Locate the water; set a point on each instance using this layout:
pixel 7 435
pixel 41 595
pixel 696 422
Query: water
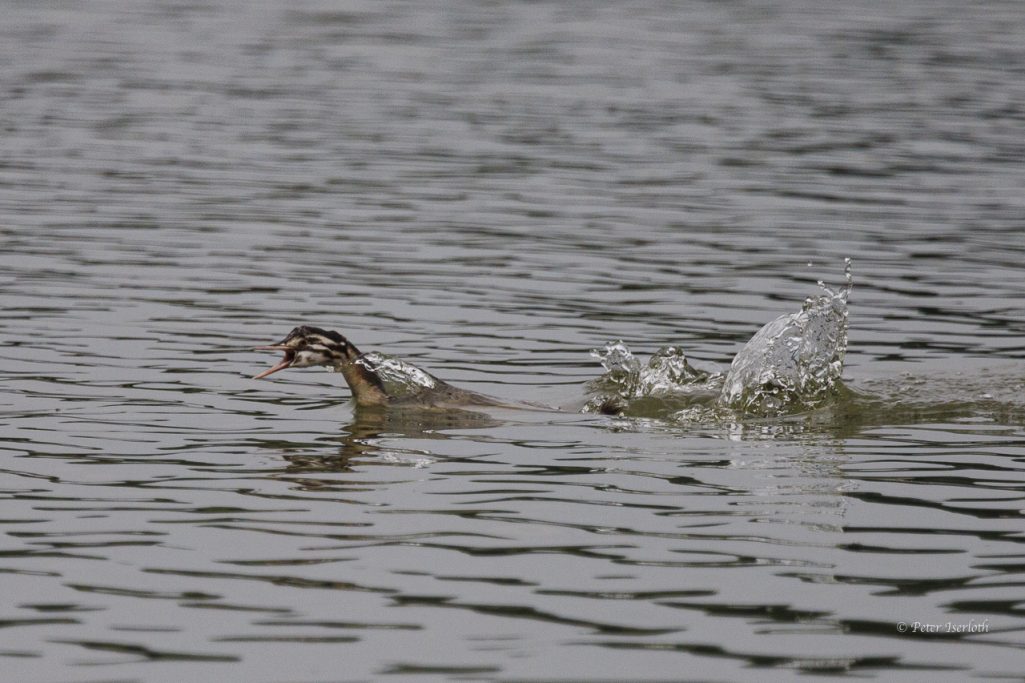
pixel 794 364
pixel 795 361
pixel 488 191
pixel 652 389
pixel 399 377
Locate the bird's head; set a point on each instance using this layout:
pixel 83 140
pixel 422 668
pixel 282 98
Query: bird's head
pixel 307 346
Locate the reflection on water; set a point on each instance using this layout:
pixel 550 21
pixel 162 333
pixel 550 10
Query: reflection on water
pixel 487 191
pixel 361 438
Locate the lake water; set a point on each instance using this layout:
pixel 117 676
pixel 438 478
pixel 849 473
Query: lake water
pixel 491 190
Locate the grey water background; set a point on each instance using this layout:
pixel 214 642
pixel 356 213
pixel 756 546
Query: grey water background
pixel 489 190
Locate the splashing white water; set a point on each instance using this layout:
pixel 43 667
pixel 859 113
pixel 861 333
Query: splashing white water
pixel 400 379
pixel 667 376
pixel 793 363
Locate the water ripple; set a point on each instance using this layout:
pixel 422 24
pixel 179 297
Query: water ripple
pixel 488 192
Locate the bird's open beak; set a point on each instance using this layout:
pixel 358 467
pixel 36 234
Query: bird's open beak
pixel 285 362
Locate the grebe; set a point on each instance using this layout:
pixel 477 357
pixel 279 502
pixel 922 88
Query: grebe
pixel 368 374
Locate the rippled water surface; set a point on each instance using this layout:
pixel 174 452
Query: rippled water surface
pixel 490 190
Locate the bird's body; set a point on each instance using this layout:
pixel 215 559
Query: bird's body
pixel 373 379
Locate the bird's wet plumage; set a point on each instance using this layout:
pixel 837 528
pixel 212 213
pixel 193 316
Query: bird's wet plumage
pixel 366 374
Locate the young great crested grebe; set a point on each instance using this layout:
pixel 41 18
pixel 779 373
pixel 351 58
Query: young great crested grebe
pixel 375 380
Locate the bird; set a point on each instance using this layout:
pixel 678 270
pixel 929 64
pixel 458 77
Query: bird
pixel 375 380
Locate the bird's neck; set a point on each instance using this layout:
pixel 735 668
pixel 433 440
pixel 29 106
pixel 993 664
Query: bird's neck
pixel 366 387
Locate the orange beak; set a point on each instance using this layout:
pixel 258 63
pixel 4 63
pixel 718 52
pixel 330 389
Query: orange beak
pixel 285 362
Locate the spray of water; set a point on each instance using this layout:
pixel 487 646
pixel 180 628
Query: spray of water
pixel 666 381
pixel 401 379
pixel 793 363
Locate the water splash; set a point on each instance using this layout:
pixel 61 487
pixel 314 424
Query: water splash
pixel 668 378
pixel 792 364
pixel 622 369
pixel 795 361
pixel 401 379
